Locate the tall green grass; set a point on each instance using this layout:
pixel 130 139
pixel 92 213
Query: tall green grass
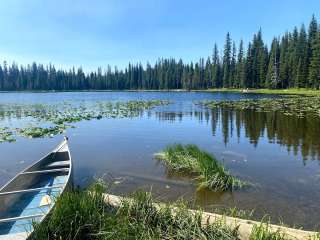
pixel 211 174
pixel 262 231
pixel 315 237
pixel 85 215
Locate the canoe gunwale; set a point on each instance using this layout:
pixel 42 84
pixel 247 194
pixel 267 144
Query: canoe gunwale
pixel 56 149
pixel 20 218
pixel 64 186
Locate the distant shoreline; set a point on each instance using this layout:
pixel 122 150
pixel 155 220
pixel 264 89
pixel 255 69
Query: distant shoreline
pixel 290 91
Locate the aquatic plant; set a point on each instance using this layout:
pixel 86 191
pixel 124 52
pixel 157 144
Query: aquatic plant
pixel 59 116
pixel 85 215
pixel 37 132
pixel 298 106
pixel 210 173
pixel 262 231
pixel 6 135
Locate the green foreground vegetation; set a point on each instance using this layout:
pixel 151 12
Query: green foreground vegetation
pixel 47 120
pixel 263 232
pixel 297 106
pixel 84 214
pixel 210 173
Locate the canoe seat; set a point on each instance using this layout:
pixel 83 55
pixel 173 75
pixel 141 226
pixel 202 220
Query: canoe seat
pixel 59 164
pixel 45 201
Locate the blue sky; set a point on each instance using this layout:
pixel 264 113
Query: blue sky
pixel 95 33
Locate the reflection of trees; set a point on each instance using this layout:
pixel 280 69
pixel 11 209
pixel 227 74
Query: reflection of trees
pixel 297 134
pixel 169 116
pixel 178 116
pixel 291 131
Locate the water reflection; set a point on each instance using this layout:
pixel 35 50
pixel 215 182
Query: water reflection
pixel 125 148
pixel 298 135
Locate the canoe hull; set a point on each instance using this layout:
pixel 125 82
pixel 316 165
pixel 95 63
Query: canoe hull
pixel 30 196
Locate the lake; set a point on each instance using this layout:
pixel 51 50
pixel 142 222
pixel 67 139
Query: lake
pixel 276 152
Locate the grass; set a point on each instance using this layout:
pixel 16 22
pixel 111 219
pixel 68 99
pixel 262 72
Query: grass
pixel 263 231
pixel 210 173
pixel 290 91
pixel 235 212
pixel 85 215
pixel 315 237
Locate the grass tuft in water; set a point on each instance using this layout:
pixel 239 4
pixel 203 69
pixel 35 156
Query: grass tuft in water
pixel 85 215
pixel 211 174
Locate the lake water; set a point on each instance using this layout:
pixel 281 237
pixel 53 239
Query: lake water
pixel 278 153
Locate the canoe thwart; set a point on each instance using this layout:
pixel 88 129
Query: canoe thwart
pixel 31 195
pixel 59 164
pixel 31 190
pixel 4 220
pixel 47 171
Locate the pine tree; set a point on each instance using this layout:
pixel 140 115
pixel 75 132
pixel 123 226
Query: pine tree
pixel 249 66
pixel 207 74
pixel 227 61
pixel 314 68
pixel 302 55
pixel 233 66
pixel 272 78
pixel 216 83
pixel 258 55
pixel 283 68
pixel 312 33
pixel 291 62
pixel 240 70
pixel 293 57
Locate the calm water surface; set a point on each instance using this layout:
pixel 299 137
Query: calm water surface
pixel 278 153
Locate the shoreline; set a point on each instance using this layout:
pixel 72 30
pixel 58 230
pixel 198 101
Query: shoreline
pixel 290 91
pixel 244 226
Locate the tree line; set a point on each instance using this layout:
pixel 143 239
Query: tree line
pixel 292 60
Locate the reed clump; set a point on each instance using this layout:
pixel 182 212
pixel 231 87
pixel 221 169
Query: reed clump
pixel 85 215
pixel 209 172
